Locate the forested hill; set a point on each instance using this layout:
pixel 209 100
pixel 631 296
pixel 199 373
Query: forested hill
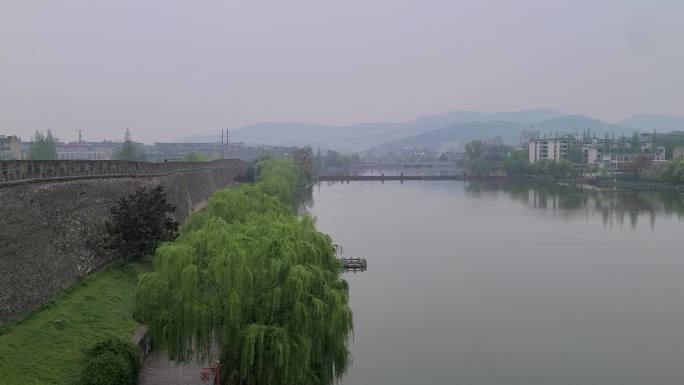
pixel 461 133
pixel 580 123
pixel 455 126
pixel 507 130
pixel 649 122
pixel 365 135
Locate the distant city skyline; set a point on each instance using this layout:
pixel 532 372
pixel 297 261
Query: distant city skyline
pixel 169 69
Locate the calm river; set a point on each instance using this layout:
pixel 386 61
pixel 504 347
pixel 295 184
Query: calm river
pixel 507 284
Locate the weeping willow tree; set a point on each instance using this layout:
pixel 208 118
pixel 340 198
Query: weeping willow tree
pixel 264 284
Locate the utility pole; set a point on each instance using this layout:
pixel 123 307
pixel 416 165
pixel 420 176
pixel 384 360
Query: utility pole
pixel 224 142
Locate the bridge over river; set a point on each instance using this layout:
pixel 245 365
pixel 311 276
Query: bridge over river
pixel 383 177
pixel 395 171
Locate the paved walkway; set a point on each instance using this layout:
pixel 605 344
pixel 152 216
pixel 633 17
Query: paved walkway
pixel 158 370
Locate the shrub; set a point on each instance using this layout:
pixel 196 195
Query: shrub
pixel 249 176
pixel 139 222
pixel 110 362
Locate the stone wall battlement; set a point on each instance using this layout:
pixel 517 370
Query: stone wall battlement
pixel 53 215
pixel 22 170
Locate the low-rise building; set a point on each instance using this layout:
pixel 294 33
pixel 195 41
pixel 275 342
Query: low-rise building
pixel 160 152
pixel 602 152
pixel 10 147
pixel 493 141
pixel 627 160
pixel 677 152
pixel 85 150
pixel 592 153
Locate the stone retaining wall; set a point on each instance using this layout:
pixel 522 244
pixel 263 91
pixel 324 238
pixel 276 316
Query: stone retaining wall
pixel 17 170
pixel 51 233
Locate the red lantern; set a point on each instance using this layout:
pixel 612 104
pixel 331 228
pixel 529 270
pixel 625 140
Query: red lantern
pixel 205 375
pixel 213 370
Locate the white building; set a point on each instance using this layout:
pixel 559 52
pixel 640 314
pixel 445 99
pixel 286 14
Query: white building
pixel 448 147
pixel 601 152
pixel 10 147
pixel 593 153
pixel 494 141
pixel 85 151
pixel 548 149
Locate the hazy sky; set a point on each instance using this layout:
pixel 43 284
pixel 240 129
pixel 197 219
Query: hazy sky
pixel 170 68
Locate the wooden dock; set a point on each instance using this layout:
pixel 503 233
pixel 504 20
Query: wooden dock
pixel 355 264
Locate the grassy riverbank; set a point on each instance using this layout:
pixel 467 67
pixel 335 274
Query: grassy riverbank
pixel 48 347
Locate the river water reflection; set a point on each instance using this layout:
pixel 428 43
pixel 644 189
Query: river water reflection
pixel 510 283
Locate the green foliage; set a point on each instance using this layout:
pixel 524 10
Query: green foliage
pixel 479 166
pixel 129 150
pixel 334 159
pixel 558 169
pixel 36 351
pixel 139 222
pixel 668 142
pixel 248 273
pixel 671 172
pixel 249 176
pixel 482 159
pixel 674 171
pixel 42 147
pixel 304 160
pixel 279 178
pixel 196 157
pixel 110 362
pixel 474 149
pixel 634 142
pixel 517 163
pixel 575 154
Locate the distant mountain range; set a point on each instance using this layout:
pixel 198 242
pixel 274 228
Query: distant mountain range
pixel 509 131
pixel 432 130
pixel 363 135
pixel 461 133
pixel 650 122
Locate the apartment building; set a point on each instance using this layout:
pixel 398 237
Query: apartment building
pixel 549 149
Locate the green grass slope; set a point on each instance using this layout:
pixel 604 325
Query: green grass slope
pixel 41 351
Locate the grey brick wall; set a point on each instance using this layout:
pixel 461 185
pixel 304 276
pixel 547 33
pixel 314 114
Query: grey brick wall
pixel 51 232
pixel 16 170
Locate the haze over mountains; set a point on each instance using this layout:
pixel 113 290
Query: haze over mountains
pixel 654 121
pixel 433 130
